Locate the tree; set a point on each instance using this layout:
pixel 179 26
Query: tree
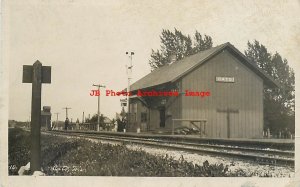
pixel 176 43
pixel 279 104
pixel 202 44
pixel 94 119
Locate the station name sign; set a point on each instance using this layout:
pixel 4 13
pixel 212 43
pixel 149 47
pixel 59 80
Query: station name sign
pixel 224 79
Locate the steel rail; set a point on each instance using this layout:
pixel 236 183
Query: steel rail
pixel 262 156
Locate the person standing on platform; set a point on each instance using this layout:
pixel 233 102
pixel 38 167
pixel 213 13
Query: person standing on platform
pixel 77 124
pixel 66 123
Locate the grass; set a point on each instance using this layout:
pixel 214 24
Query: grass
pixel 76 157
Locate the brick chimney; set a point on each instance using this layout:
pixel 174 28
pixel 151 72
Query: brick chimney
pixel 172 58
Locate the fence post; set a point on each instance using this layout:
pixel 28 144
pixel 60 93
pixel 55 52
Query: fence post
pixel 35 161
pixel 204 128
pixel 173 127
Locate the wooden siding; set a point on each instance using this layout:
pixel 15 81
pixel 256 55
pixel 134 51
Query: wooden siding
pixel 154 119
pixel 135 116
pixel 172 110
pixel 245 94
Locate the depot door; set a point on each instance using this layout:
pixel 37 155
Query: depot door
pixel 162 117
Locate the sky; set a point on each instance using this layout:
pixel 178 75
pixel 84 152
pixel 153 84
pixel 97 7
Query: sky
pixel 84 41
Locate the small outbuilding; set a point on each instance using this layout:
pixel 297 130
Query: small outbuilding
pixel 46 118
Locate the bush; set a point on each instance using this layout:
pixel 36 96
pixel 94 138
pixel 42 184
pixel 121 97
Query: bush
pixel 18 150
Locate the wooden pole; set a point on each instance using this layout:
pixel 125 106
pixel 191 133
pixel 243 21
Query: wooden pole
pixel 228 124
pixel 82 117
pixel 36 74
pixel 204 128
pixel 66 108
pixel 35 162
pixel 56 123
pixel 173 128
pixel 98 111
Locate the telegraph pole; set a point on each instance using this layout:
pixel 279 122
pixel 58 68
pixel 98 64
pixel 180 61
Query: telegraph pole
pixel 56 119
pixel 66 108
pixel 82 117
pixel 98 113
pixel 129 74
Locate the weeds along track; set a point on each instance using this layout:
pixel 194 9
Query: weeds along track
pixel 259 155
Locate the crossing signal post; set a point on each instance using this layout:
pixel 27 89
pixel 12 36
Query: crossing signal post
pixel 36 74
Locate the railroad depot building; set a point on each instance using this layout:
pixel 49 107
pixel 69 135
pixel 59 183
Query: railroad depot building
pixel 218 86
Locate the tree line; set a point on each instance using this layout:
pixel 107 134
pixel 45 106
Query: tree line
pixel 279 103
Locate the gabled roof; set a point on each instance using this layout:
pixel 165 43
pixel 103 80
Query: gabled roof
pixel 173 72
pixel 107 120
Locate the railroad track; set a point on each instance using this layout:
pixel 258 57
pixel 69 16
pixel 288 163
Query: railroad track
pixel 260 156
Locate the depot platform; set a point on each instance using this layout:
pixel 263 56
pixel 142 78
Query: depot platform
pixel 286 144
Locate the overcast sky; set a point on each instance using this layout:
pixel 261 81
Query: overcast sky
pixel 84 41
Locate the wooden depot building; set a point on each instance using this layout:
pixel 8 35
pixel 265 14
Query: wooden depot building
pixel 219 90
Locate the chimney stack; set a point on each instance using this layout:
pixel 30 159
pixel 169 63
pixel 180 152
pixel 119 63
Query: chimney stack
pixel 172 58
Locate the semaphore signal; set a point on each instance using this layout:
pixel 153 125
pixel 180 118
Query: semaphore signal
pixel 129 74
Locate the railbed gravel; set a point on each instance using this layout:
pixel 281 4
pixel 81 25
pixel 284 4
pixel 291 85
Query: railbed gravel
pixel 247 168
pixel 234 165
